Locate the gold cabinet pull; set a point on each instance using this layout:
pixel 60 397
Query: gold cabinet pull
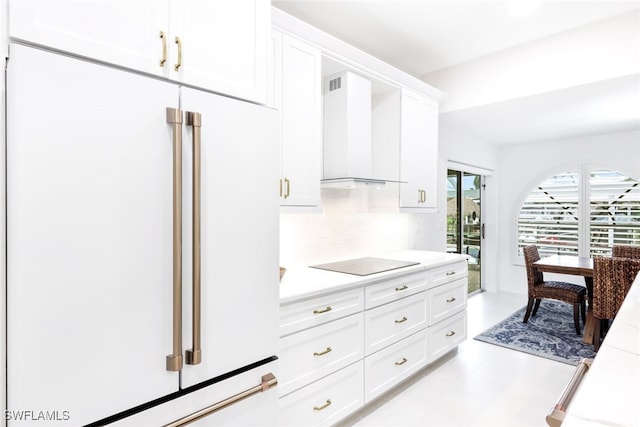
pixel 424 196
pixel 288 188
pixel 323 406
pixel 323 352
pixel 174 360
pixel 179 63
pixel 401 362
pixel 404 319
pixel 163 38
pixel 452 299
pixel 267 382
pixel 194 355
pixel 402 288
pixel 419 196
pixel 280 188
pixel 324 310
pixel 450 333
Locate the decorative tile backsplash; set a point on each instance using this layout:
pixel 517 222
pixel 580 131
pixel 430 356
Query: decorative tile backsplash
pixel 352 224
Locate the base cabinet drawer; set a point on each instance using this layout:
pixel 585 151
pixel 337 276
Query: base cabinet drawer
pixel 326 401
pixel 392 322
pixel 447 273
pixel 392 290
pixel 317 311
pixel 311 354
pixel 447 300
pixel 446 335
pixel 390 366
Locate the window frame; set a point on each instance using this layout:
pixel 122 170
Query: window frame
pixel 583 171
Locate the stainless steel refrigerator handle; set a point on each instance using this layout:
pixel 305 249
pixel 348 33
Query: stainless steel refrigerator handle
pixel 194 356
pixel 174 360
pixel 268 381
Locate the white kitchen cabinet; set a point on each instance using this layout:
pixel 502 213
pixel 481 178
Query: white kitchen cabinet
pixel 390 323
pixel 418 151
pixel 90 241
pixel 326 401
pixel 446 335
pixel 447 300
pixel 214 45
pixel 390 366
pixel 314 353
pixel 394 289
pixel 297 93
pixel 317 311
pixel 384 332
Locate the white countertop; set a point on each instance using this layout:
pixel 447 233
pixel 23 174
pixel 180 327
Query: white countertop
pixel 304 282
pixel 609 394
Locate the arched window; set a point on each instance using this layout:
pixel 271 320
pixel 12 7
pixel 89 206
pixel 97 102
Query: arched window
pixel 567 214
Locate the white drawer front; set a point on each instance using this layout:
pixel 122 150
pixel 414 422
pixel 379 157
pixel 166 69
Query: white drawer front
pixel 395 289
pixel 326 401
pixel 311 354
pixel 388 367
pixel 392 322
pixel 447 273
pixel 446 335
pixel 305 314
pixel 447 300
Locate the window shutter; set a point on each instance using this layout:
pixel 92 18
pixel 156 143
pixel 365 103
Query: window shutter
pixel 614 211
pixel 549 216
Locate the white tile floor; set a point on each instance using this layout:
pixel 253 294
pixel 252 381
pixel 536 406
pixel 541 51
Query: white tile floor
pixel 480 384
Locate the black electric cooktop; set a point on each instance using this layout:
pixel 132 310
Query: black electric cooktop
pixel 364 266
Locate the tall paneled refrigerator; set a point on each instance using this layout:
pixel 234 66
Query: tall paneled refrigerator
pixel 142 248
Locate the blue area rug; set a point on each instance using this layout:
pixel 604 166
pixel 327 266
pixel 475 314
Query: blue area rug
pixel 550 334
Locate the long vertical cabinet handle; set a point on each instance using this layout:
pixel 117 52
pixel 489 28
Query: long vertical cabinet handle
pixel 194 356
pixel 178 64
pixel 174 360
pixel 163 38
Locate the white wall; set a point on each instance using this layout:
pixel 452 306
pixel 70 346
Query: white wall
pixel 600 51
pixel 352 224
pixel 521 167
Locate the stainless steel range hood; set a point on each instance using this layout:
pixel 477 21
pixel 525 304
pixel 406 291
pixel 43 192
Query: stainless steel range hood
pixel 347 133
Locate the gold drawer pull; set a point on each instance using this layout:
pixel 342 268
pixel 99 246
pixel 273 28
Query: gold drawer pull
pixel 320 353
pixel 404 319
pixel 402 288
pixel 402 362
pixel 452 299
pixel 323 406
pixel 450 333
pixel 324 310
pixel 451 273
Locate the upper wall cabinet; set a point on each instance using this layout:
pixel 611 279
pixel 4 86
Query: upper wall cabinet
pixel 418 151
pixel 297 92
pixel 218 46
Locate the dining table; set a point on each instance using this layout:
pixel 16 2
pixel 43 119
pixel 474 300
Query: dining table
pixel 576 266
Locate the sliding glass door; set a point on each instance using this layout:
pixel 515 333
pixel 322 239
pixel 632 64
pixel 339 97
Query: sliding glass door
pixel 464 222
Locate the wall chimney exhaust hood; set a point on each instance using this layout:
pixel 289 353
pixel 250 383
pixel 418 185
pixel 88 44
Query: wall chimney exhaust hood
pixel 347 145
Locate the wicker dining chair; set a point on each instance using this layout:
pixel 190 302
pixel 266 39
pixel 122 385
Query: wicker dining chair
pixel 539 289
pixel 612 279
pixel 625 251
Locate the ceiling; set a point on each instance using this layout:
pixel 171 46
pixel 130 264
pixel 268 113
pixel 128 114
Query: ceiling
pixel 423 36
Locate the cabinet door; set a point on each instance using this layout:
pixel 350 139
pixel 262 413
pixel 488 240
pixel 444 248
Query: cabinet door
pixel 301 123
pixel 239 234
pixel 125 33
pixel 419 151
pixel 225 45
pixel 89 246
